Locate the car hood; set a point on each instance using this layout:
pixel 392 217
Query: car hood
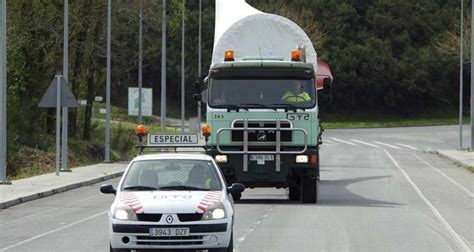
pixel 170 201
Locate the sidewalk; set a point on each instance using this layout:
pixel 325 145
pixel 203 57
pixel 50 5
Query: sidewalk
pixel 460 157
pixel 32 188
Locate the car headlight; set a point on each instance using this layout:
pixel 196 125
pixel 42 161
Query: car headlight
pixel 124 212
pixel 214 212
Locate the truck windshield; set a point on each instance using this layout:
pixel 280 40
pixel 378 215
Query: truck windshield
pixel 282 93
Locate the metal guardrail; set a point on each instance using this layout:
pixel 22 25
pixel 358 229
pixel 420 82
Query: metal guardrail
pixel 277 142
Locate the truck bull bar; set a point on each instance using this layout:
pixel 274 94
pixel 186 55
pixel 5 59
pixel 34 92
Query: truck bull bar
pixel 277 142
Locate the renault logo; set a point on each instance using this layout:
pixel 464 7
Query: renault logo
pixel 169 219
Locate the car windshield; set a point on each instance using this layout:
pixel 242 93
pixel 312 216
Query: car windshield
pixel 251 93
pixel 171 174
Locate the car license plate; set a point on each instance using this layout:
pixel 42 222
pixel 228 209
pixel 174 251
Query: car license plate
pixel 157 232
pixel 261 158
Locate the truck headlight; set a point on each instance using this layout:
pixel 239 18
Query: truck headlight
pixel 301 159
pixel 221 158
pixel 124 212
pixel 214 212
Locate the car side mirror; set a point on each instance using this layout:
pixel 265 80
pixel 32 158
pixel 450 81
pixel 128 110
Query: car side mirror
pixel 107 189
pixel 236 188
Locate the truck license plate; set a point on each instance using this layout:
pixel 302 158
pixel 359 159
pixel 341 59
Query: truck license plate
pixel 262 158
pixel 157 232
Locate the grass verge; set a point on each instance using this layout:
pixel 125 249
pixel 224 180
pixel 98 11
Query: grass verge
pixel 380 120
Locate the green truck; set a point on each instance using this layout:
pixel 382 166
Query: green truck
pixel 260 135
pixel 261 101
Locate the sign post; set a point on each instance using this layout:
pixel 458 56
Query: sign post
pixel 58 95
pixel 58 122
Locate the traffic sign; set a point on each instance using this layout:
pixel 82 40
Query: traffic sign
pixel 173 140
pixel 49 97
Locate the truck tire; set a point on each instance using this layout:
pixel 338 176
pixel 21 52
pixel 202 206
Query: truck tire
pixel 294 193
pixel 309 189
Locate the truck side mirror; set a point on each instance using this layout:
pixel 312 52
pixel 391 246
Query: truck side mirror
pixel 197 97
pixel 327 83
pixel 204 96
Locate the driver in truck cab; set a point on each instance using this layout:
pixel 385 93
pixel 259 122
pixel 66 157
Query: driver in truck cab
pixel 296 94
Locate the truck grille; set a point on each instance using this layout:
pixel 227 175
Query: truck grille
pixel 262 135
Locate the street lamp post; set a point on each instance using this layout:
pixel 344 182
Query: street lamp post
pixel 461 78
pixel 3 92
pixel 472 76
pixel 163 69
pixel 140 63
pixel 182 67
pixel 65 74
pixel 199 63
pixel 107 88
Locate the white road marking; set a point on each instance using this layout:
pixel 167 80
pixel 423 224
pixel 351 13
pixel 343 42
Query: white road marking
pixel 446 176
pixel 327 141
pixel 365 143
pixel 251 229
pixel 388 145
pixel 342 141
pixel 460 242
pixel 24 218
pixel 53 231
pixel 408 146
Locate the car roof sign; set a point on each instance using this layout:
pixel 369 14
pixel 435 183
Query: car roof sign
pixel 174 140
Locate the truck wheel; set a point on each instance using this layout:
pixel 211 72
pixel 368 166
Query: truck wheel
pixel 309 189
pixel 294 193
pixel 236 196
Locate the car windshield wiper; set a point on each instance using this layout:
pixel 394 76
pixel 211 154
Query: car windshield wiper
pixel 140 188
pixel 285 106
pixel 183 188
pixel 235 107
pixel 256 105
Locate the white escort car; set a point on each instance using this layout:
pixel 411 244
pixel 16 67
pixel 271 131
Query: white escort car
pixel 172 201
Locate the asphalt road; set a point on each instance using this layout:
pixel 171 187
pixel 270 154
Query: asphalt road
pixel 380 191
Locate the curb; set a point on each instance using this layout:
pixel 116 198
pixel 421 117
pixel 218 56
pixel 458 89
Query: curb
pixel 460 163
pixel 61 189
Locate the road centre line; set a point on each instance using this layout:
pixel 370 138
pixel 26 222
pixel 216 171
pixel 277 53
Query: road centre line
pixel 388 145
pixel 328 141
pixel 460 242
pixel 53 231
pixel 446 176
pixel 252 228
pixel 365 143
pixel 342 141
pixel 408 146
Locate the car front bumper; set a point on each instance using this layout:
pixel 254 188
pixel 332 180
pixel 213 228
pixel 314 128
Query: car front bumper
pixel 203 235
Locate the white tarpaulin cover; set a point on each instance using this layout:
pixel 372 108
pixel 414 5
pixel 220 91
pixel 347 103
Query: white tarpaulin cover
pixel 250 32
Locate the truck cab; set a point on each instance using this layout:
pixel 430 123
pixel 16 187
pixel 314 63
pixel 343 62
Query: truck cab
pixel 263 115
